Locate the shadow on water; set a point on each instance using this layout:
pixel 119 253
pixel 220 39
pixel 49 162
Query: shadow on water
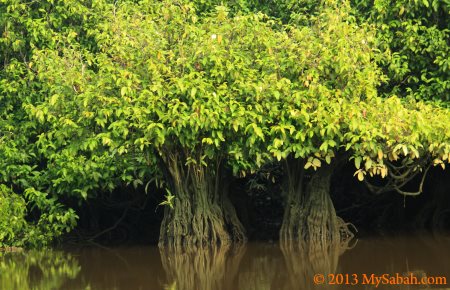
pixel 255 266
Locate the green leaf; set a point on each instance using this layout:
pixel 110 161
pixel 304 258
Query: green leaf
pixel 308 165
pixel 316 162
pixel 358 162
pixel 193 92
pixel 360 176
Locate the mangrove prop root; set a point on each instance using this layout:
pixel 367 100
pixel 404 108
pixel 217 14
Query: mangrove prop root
pixel 310 217
pixel 201 214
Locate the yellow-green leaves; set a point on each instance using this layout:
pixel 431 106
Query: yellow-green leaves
pixel 358 162
pixel 258 131
pixel 415 42
pixel 439 162
pixel 313 162
pixel 360 174
pixel 137 82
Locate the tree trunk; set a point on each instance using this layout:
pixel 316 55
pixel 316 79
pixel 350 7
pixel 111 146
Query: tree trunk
pixel 202 213
pixel 309 216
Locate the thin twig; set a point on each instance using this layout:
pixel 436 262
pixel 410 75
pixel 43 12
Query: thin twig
pixel 112 227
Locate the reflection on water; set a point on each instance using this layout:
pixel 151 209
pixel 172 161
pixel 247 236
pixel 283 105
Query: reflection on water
pixel 36 270
pixel 251 267
pixel 207 268
pixel 302 265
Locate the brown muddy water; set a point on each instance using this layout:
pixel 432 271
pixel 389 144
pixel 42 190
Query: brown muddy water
pixel 373 263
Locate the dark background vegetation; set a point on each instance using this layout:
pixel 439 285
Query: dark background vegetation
pixel 259 203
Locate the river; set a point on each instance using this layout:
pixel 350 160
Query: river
pixel 373 263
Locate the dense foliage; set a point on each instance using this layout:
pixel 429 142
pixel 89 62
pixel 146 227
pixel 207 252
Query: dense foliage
pixel 25 164
pixel 16 231
pixel 414 37
pixel 97 94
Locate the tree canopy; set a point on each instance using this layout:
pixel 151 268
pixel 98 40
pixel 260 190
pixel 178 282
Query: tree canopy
pixel 97 94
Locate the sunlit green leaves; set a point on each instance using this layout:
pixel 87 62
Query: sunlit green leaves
pixel 313 162
pixel 97 95
pixel 16 231
pixel 413 36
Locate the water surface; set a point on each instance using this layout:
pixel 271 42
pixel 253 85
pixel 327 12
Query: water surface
pixel 256 266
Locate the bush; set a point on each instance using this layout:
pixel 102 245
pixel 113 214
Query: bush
pixel 17 231
pixel 13 226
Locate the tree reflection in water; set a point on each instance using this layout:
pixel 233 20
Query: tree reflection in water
pixel 256 266
pixel 303 263
pixel 45 270
pixel 252 267
pixel 261 268
pixel 201 268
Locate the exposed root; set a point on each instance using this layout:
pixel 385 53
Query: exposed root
pixel 310 218
pixel 182 227
pixel 202 214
